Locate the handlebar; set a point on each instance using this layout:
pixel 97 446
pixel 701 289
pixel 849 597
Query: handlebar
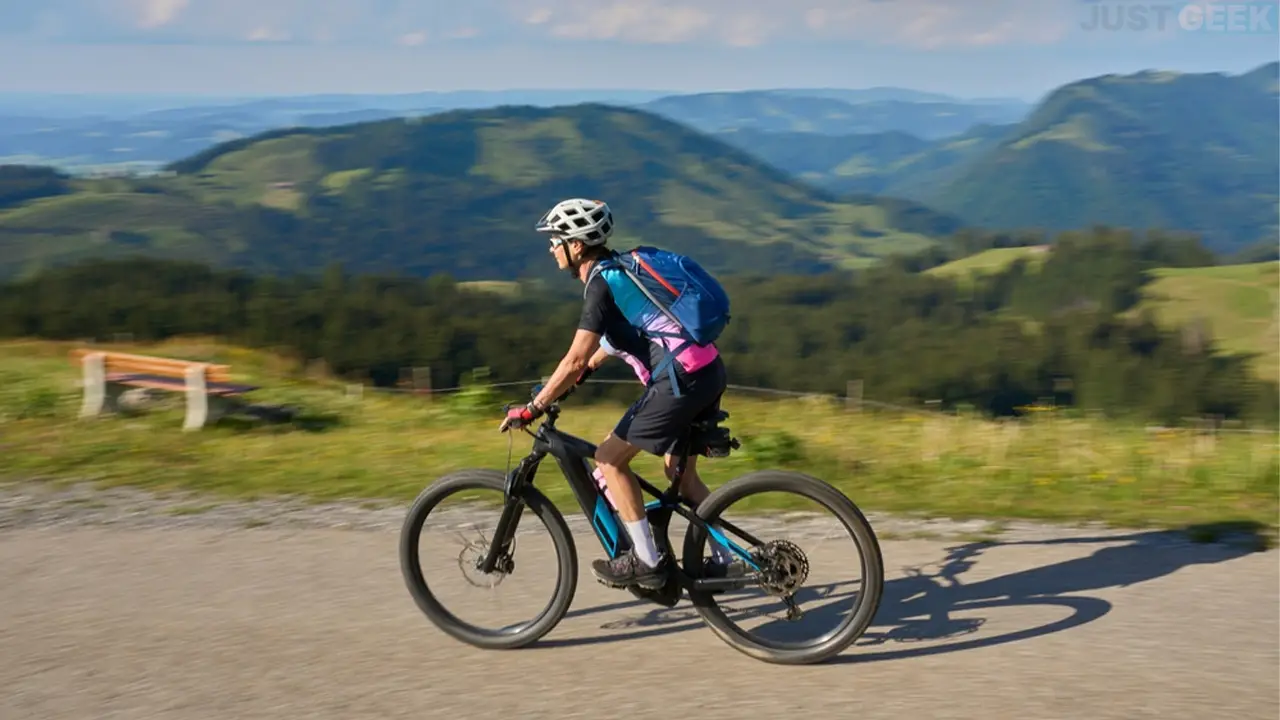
pixel 552 410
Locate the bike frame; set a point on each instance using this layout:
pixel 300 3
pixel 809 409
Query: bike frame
pixel 571 455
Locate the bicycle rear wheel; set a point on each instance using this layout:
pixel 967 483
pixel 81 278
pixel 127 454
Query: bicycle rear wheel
pixel 474 547
pixel 785 566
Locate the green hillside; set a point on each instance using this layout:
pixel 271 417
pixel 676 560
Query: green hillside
pixel 1197 153
pixel 989 261
pixel 1238 304
pixel 794 112
pixel 459 192
pixel 1193 152
pixel 895 163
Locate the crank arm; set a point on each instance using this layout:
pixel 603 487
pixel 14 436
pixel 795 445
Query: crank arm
pixel 723 584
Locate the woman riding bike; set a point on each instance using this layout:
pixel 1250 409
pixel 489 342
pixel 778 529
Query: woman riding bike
pixel 579 231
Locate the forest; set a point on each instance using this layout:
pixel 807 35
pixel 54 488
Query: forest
pixel 1063 334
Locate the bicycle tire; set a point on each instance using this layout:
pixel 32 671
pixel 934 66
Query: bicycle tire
pixel 833 500
pixel 566 553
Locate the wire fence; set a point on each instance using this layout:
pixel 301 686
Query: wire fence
pixel 420 380
pixel 852 400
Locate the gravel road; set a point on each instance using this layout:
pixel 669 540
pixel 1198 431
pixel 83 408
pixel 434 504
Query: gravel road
pixel 121 605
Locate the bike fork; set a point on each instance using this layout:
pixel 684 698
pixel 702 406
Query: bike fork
pixel 512 506
pixel 503 534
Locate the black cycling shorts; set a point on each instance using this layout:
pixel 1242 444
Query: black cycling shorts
pixel 659 419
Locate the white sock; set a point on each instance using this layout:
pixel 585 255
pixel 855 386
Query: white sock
pixel 642 539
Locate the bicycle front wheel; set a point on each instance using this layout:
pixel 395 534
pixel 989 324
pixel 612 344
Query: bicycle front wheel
pixel 459 539
pixel 793 543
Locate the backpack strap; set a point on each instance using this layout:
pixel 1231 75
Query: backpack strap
pixel 668 364
pixel 668 359
pixel 610 261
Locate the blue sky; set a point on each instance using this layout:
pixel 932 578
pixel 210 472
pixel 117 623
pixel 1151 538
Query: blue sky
pixel 1007 48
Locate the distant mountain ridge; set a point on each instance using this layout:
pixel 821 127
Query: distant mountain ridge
pixel 144 133
pixel 1196 152
pixel 830 114
pixel 458 192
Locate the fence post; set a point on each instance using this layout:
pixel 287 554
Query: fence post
pixel 422 381
pixel 853 396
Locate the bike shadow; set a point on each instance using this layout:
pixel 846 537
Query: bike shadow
pixel 925 612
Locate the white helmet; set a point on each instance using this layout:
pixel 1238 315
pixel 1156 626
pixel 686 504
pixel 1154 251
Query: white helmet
pixel 589 221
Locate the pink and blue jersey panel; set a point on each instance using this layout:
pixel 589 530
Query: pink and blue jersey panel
pixel 653 324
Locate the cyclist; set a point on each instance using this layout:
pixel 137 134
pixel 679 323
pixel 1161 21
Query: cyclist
pixel 579 230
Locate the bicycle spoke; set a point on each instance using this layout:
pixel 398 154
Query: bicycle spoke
pixel 809 598
pixel 533 591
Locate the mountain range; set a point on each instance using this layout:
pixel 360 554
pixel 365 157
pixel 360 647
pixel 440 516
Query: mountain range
pixel 456 190
pixel 144 133
pixel 1190 152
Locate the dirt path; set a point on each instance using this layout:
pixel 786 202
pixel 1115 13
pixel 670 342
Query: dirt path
pixel 221 621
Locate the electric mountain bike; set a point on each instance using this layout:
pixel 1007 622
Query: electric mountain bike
pixel 778 567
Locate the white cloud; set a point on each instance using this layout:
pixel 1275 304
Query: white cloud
pixel 265 33
pixel 157 13
pixel 647 21
pixel 922 24
pixel 935 24
pixel 413 39
pixel 746 30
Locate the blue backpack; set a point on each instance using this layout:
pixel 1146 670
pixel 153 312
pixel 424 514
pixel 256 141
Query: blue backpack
pixel 665 294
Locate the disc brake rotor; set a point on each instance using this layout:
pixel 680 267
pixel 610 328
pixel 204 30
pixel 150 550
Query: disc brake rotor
pixel 473 554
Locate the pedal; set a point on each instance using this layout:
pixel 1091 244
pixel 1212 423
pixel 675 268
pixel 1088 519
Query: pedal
pixel 667 596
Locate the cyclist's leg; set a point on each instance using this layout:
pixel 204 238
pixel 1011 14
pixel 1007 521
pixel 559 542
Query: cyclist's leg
pixel 693 489
pixel 613 457
pixel 642 566
pixel 691 485
pixel 654 424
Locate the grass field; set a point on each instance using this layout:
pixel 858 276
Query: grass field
pixel 389 446
pixel 506 288
pixel 1238 302
pixel 989 261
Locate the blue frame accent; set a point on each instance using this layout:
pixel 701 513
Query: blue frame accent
pixel 718 536
pixel 606 526
pixel 734 547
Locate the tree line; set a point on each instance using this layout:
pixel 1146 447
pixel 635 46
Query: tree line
pixel 1062 333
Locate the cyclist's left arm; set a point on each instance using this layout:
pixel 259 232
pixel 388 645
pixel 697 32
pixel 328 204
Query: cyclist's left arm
pixel 583 350
pixel 598 359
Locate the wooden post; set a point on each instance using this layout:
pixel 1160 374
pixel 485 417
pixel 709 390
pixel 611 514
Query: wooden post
pixel 422 381
pixel 93 369
pixel 197 398
pixel 853 396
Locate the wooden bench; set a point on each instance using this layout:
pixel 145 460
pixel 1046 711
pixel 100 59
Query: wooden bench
pixel 210 394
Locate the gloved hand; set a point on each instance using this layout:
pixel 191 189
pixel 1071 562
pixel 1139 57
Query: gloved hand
pixel 518 417
pixel 586 373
